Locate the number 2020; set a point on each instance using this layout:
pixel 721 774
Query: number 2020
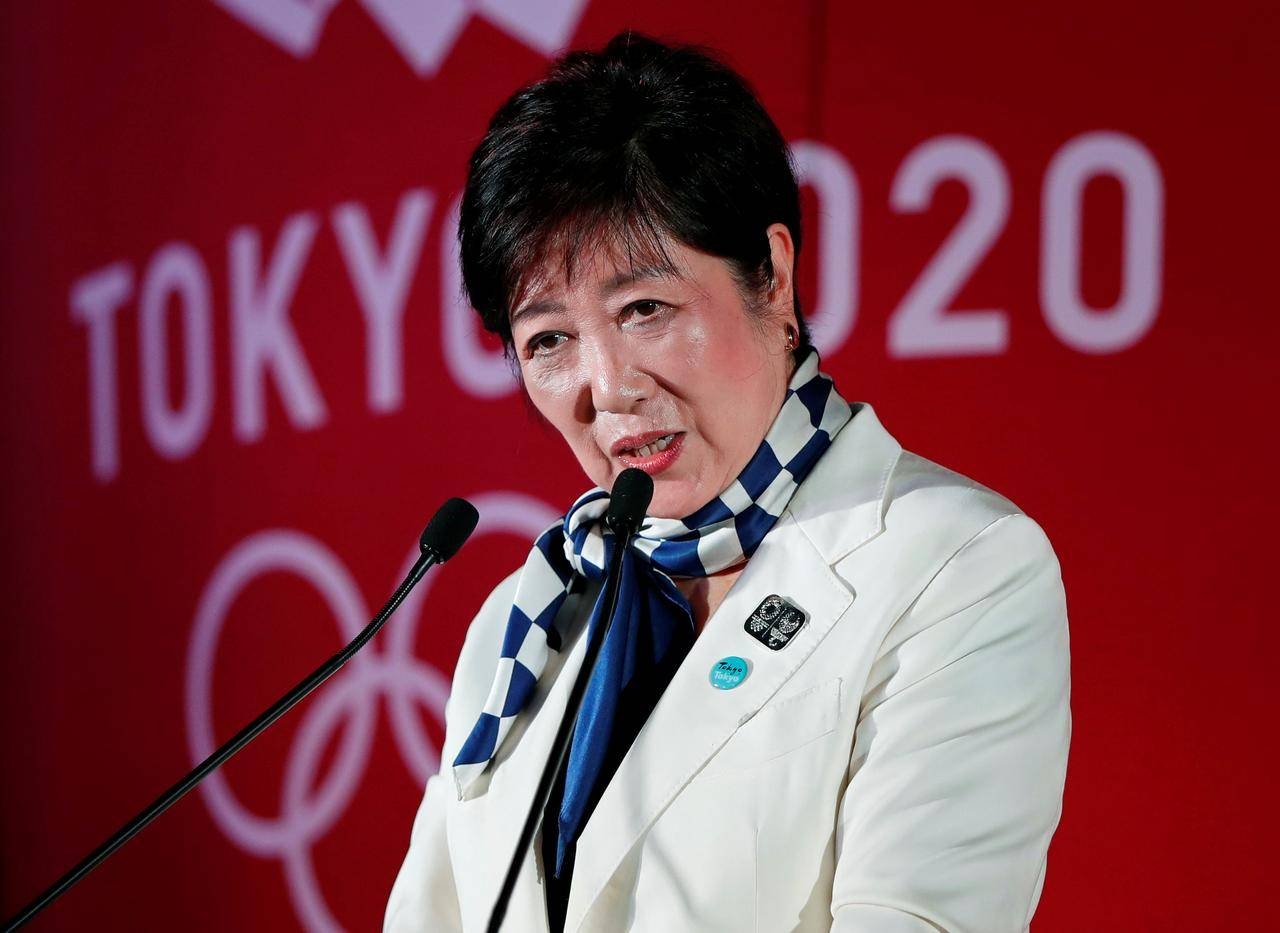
pixel 923 324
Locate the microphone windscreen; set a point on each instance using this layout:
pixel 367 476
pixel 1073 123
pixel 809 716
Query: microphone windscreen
pixel 629 499
pixel 449 529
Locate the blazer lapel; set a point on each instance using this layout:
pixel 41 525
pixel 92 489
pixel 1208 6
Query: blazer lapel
pixel 693 720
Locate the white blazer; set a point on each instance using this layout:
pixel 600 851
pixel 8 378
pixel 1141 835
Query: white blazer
pixel 898 766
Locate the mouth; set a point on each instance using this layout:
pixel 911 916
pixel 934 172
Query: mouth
pixel 652 452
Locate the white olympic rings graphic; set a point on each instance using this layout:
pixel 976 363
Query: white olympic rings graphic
pixel 351 697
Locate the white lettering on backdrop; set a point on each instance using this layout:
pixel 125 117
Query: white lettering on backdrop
pixel 382 285
pixel 922 324
pixel 265 348
pixel 262 339
pixel 95 298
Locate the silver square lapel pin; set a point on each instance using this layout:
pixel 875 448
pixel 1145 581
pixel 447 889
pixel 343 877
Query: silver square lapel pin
pixel 775 621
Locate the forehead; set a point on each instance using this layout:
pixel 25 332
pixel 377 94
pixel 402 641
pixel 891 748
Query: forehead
pixel 598 269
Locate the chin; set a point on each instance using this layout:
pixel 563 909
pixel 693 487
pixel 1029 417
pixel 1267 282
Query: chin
pixel 672 503
pixel 673 497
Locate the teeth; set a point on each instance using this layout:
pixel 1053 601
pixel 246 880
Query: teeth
pixel 653 447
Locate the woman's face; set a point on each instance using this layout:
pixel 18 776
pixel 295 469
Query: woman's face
pixel 666 372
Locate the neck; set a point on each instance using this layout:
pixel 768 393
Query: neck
pixel 706 593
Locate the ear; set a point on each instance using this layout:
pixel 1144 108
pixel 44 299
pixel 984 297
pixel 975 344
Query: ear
pixel 782 254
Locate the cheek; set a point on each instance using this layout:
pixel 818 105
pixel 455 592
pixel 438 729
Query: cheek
pixel 550 400
pixel 697 343
pixel 740 403
pixel 556 397
pixel 548 385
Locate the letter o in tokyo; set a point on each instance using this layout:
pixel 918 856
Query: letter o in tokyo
pixel 176 270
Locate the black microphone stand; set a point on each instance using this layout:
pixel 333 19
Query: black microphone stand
pixel 624 528
pixel 439 542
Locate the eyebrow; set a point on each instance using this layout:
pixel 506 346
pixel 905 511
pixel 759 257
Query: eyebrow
pixel 615 284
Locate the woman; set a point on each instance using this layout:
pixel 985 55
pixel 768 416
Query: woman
pixel 837 695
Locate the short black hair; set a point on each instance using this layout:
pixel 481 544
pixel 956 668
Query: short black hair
pixel 622 146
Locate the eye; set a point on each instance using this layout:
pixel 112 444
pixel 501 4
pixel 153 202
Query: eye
pixel 639 312
pixel 545 343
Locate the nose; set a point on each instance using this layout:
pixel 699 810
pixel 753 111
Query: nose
pixel 617 383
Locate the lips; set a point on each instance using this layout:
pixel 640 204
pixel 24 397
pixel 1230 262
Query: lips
pixel 652 452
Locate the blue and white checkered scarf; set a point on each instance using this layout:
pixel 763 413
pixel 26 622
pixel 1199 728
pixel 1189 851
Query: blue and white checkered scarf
pixel 653 617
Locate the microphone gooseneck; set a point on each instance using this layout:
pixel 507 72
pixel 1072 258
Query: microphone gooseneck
pixel 444 535
pixel 628 502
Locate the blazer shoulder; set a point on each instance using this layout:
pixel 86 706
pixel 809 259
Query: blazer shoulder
pixel 934 513
pixel 923 492
pixel 867 487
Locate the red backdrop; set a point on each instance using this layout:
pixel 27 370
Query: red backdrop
pixel 236 381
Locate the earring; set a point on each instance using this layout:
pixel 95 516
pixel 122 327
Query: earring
pixel 793 337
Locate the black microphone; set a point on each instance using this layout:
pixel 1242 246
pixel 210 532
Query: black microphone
pixel 628 502
pixel 444 535
pixel 449 529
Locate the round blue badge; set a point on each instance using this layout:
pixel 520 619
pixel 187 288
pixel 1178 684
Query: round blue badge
pixel 728 672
